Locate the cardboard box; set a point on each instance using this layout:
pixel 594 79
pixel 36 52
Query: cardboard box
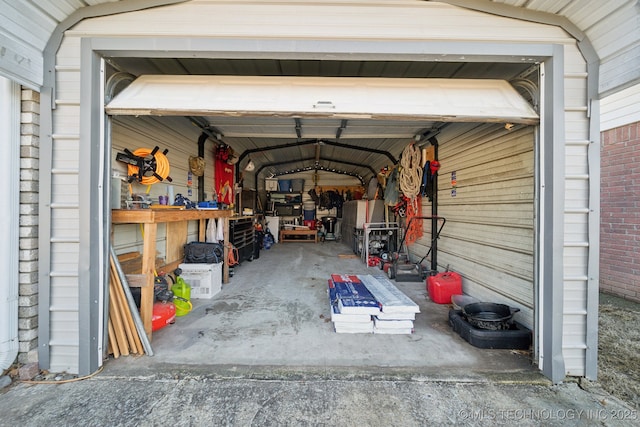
pixel 205 279
pixel 271 184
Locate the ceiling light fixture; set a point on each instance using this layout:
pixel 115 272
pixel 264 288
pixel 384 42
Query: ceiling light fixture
pixel 250 167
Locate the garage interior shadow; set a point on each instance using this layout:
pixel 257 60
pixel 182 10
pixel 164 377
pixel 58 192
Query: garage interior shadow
pixel 273 319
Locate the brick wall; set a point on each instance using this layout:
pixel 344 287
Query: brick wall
pixel 620 212
pixel 28 264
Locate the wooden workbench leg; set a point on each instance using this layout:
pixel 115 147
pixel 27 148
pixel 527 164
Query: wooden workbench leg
pixel 148 269
pixel 176 239
pixel 225 265
pixel 202 229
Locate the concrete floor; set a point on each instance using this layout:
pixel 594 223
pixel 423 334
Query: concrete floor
pixel 262 353
pixel 274 312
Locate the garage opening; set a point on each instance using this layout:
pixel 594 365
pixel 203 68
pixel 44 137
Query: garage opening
pixel 275 309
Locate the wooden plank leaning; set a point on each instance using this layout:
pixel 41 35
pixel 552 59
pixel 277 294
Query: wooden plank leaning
pixel 146 344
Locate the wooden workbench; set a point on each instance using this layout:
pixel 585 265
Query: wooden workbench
pixel 176 222
pixel 292 236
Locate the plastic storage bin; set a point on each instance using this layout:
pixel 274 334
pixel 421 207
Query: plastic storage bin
pixel 205 279
pixel 284 185
pixel 297 185
pixel 444 285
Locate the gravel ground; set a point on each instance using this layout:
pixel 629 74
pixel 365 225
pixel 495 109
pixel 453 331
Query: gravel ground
pixel 619 348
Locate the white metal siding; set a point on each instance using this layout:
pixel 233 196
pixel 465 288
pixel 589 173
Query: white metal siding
pixel 611 26
pixel 22 41
pixel 348 21
pixel 577 214
pixel 64 210
pixel 616 39
pixel 356 20
pixel 620 109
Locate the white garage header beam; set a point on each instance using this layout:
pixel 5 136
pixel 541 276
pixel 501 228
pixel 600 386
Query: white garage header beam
pixel 449 100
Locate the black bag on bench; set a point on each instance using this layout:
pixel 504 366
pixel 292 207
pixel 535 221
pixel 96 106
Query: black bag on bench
pixel 203 253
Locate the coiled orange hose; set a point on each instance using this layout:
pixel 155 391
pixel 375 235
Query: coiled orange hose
pixel 162 166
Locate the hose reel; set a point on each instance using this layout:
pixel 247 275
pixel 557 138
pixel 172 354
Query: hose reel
pixel 146 166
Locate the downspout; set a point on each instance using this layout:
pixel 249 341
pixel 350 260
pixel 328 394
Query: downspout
pixel 10 178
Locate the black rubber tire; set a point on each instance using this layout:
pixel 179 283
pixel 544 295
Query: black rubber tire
pixel 391 272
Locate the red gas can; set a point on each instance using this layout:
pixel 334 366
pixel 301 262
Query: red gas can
pixel 443 285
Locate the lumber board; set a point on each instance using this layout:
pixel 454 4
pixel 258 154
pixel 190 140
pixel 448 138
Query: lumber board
pixel 118 327
pixel 128 256
pixel 144 338
pixel 124 311
pixel 113 345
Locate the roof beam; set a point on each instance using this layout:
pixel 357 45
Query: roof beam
pixel 306 159
pixel 343 126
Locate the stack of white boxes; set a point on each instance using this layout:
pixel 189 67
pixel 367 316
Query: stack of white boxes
pixel 351 305
pixel 369 304
pixel 397 311
pixel 205 279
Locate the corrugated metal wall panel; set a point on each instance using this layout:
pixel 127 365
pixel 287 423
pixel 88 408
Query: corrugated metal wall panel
pixel 576 124
pixel 450 23
pixel 67 57
pixel 611 27
pixel 23 40
pixel 621 70
pixel 577 193
pixel 65 256
pixel 616 39
pixel 64 184
pixel 577 213
pixel 577 164
pixel 574 255
pixel 488 237
pixel 64 232
pixel 362 21
pixel 180 137
pixel 68 319
pixel 66 223
pixel 177 135
pixel 66 85
pixel 64 148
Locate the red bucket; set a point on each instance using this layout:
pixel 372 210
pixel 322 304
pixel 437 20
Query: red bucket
pixel 311 223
